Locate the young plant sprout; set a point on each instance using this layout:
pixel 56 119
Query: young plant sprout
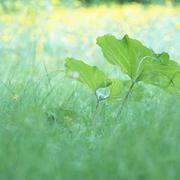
pixel 90 76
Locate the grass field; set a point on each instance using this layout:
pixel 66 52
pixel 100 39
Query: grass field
pixel 49 127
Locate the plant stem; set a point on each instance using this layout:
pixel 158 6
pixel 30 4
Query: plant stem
pixel 125 99
pixel 97 104
pixel 97 107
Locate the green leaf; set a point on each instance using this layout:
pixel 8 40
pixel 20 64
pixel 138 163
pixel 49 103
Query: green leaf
pixel 129 54
pixel 175 84
pixel 162 72
pixel 140 62
pixel 88 75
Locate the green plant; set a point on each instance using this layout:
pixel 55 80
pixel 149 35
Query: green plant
pixel 138 62
pixel 91 76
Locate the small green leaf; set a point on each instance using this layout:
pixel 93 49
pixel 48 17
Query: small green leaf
pixel 88 75
pixel 162 72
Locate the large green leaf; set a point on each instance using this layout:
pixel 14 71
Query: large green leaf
pixel 88 75
pixel 140 62
pixel 129 54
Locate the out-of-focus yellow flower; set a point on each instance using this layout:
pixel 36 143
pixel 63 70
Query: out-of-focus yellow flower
pixel 6 38
pixel 40 47
pixel 30 18
pixel 7 18
pixel 55 2
pixel 178 25
pixel 28 21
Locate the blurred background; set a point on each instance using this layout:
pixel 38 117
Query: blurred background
pixel 14 4
pixel 47 31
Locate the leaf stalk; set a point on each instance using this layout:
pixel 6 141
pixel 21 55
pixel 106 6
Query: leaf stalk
pixel 126 98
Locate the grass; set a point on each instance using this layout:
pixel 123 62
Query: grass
pixel 46 125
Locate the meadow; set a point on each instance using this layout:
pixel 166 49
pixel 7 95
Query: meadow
pixel 49 125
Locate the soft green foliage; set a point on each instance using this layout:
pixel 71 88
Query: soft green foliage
pixel 88 75
pixel 144 144
pixel 139 62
